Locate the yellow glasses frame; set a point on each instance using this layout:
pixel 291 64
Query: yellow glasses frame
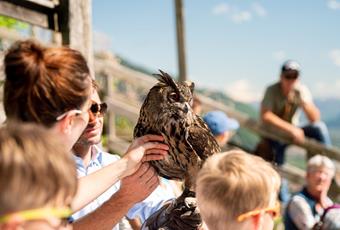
pixel 275 210
pixel 36 214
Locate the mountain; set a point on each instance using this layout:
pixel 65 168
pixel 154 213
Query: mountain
pixel 329 108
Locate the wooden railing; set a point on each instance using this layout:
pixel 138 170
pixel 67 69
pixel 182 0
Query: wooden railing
pixel 123 100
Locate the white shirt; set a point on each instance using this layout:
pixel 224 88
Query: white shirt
pixel 142 209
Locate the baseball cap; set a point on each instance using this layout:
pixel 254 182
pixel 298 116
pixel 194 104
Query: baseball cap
pixel 291 65
pixel 218 122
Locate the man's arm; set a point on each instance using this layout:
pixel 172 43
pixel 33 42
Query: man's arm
pixel 133 189
pixel 311 111
pixel 106 216
pixel 307 104
pixel 268 116
pixel 142 149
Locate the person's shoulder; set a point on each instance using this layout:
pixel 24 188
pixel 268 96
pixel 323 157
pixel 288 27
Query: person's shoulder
pixel 298 200
pixel 274 87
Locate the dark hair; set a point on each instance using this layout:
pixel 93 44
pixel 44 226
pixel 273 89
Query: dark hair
pixel 44 82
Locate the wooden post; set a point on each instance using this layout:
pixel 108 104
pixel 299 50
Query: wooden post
pixel 180 40
pixel 111 122
pixel 75 20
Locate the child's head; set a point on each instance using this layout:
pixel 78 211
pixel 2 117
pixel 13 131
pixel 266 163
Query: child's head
pixel 36 172
pixel 234 183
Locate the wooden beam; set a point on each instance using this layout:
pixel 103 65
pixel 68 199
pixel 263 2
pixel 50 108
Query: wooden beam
pixel 271 132
pixel 80 28
pixel 24 14
pixel 45 3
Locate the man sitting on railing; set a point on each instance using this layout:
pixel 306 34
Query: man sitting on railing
pixel 279 108
pixel 305 208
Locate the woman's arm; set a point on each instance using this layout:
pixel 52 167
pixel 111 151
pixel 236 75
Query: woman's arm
pixel 142 149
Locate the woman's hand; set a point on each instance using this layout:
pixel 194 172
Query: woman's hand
pixel 145 148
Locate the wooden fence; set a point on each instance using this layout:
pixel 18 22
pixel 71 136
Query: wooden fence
pixel 124 86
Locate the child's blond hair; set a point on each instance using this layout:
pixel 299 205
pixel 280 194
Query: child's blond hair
pixel 233 183
pixel 35 169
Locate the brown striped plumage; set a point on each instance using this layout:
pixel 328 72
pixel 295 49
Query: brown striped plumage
pixel 167 111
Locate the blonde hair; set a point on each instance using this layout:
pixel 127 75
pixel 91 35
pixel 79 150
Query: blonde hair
pixel 319 161
pixel 233 183
pixel 35 169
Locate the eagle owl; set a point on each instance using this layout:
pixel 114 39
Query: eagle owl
pixel 167 111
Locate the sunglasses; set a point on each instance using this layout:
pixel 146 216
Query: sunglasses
pixel 291 75
pixel 63 214
pixel 98 109
pixel 73 111
pixel 273 211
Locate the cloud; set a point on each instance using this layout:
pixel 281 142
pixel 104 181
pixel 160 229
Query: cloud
pixel 335 56
pixel 241 16
pixel 101 41
pixel 326 89
pixel 279 55
pixel 333 4
pixel 259 9
pixel 243 90
pixel 237 15
pixel 221 8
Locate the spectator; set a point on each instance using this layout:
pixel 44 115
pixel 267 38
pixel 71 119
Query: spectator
pixel 236 190
pixel 52 86
pixel 221 126
pixel 130 191
pixel 307 206
pixel 279 108
pixel 38 179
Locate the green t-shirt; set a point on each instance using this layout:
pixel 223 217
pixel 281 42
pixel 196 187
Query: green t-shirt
pixel 283 106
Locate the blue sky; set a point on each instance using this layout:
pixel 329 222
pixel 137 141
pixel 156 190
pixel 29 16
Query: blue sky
pixel 237 46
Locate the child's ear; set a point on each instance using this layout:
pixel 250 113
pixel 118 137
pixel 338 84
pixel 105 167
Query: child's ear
pixel 257 221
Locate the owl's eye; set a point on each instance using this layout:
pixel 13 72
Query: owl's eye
pixel 174 96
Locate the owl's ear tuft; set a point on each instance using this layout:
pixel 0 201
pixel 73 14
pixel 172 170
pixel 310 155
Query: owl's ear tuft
pixel 167 80
pixel 191 85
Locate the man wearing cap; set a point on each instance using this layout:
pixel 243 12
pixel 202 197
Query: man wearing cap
pixel 279 109
pixel 221 126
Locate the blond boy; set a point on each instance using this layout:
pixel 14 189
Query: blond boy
pixel 236 190
pixel 37 179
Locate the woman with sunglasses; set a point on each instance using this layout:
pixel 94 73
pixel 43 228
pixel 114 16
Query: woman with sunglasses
pixel 52 86
pixel 237 190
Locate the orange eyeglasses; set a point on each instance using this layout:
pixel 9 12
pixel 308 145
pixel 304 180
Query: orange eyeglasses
pixel 273 211
pixel 40 213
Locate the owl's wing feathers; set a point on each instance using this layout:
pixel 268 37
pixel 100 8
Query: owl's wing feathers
pixel 141 130
pixel 202 140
